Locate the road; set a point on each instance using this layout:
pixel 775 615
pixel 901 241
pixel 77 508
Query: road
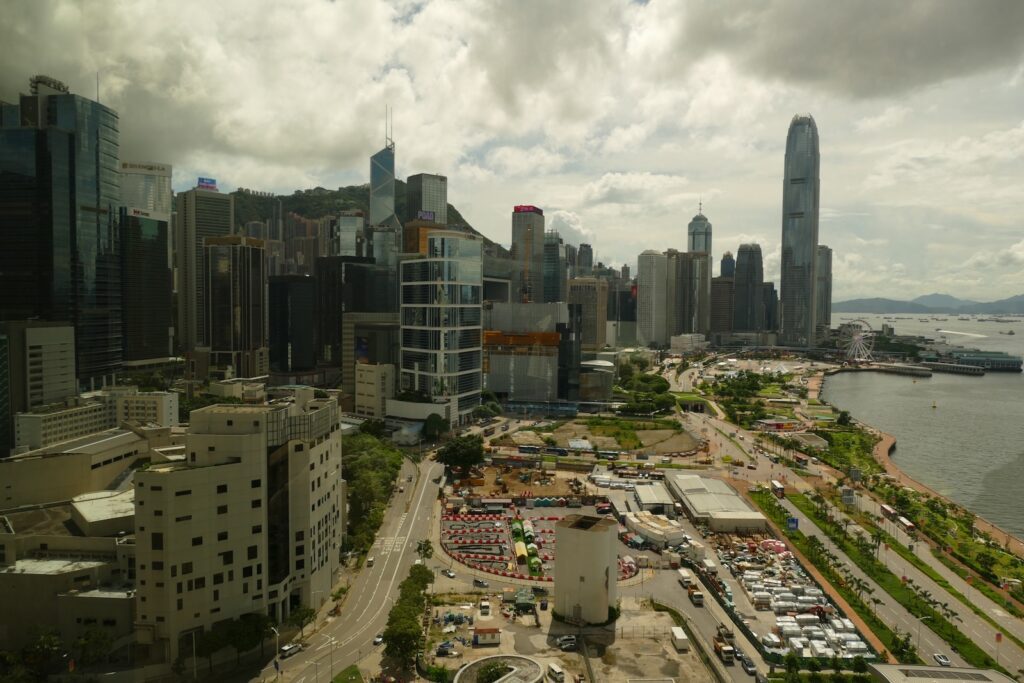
pixel 348 638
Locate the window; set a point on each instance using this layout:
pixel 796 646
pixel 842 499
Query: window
pixel 222 488
pixel 300 535
pixel 155 488
pixel 186 568
pixel 218 578
pixel 222 509
pixel 158 565
pixel 201 582
pixel 246 572
pixel 211 449
pixel 252 551
pixel 222 535
pixel 257 529
pixel 179 587
pixel 230 422
pixel 181 604
pixel 300 550
pixel 197 540
pixel 183 518
pixel 300 564
pixel 228 557
pixel 156 541
pixel 216 595
pixel 158 513
pixel 174 570
pixel 245 587
pixel 183 492
pixel 256 483
pixel 257 503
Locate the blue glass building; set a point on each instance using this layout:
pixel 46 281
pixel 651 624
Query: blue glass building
pixel 800 196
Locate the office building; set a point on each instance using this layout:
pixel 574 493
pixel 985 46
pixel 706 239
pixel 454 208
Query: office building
pixel 723 304
pixel 59 199
pixel 382 187
pixel 823 295
pixel 146 285
pixel 375 384
pixel 248 521
pixel 146 185
pixel 441 343
pixel 728 265
pixel 426 198
pixel 236 306
pixel 349 231
pixel 585 261
pixel 587 572
pixel 800 196
pixel 625 271
pixel 749 295
pixel 652 299
pixel 292 323
pixel 37 367
pixel 200 214
pixel 696 288
pixel 771 306
pixel 591 294
pixel 528 252
pixel 556 270
pixel 698 234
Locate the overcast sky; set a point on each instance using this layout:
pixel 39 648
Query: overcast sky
pixel 614 117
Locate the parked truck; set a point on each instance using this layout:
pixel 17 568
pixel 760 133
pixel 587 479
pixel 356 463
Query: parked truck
pixel 685 578
pixel 725 651
pixel 680 639
pixel 696 597
pixel 726 633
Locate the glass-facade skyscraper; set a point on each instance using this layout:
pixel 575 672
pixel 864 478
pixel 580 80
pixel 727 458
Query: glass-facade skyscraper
pixel 426 198
pixel 800 196
pixel 748 296
pixel 145 285
pixel 824 290
pixel 59 200
pixel 556 271
pixel 728 267
pixel 147 185
pixel 528 252
pixel 382 187
pixel 698 234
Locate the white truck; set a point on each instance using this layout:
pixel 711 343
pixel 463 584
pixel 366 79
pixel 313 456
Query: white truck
pixel 680 640
pixel 685 578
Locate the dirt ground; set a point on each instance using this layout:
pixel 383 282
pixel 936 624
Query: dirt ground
pixel 557 482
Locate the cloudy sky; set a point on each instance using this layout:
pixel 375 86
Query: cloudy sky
pixel 616 117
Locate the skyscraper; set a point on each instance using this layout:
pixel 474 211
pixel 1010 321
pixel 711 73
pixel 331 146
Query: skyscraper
pixel 722 304
pixel 728 267
pixel 698 234
pixel 59 199
pixel 800 196
pixel 382 187
pixel 236 305
pixel 146 284
pixel 771 307
pixel 585 261
pixel 823 292
pixel 651 298
pixel 749 297
pixel 556 273
pixel 591 294
pixel 292 322
pixel 200 214
pixel 528 252
pixel 426 198
pixel 442 335
pixel 147 185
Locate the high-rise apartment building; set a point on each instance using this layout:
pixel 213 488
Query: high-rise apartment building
pixel 556 269
pixel 426 198
pixel 728 267
pixel 591 294
pixel 37 367
pixel 528 252
pixel 382 187
pixel 441 346
pixel 250 521
pixel 292 322
pixel 59 199
pixel 698 234
pixel 823 295
pixel 652 299
pixel 146 285
pixel 200 214
pixel 236 305
pixel 749 284
pixel 800 196
pixel 585 261
pixel 147 185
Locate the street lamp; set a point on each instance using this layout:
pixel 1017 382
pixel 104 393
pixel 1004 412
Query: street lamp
pixel 919 621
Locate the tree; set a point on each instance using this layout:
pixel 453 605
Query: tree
pixel 491 672
pixel 434 426
pixel 462 452
pixel 425 549
pixel 93 646
pixel 985 560
pixel 43 653
pixel 244 633
pixel 860 666
pixel 843 419
pixel 301 616
pixel 209 643
pixel 402 637
pixel 374 428
pixel 792 662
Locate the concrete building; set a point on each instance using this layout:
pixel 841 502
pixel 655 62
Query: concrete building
pixel 347 236
pixel 426 198
pixel 248 519
pixel 199 214
pixel 652 299
pixel 375 384
pixel 823 293
pixel 158 408
pixel 586 574
pixel 441 342
pixel 37 367
pixel 714 503
pixel 687 343
pixel 800 197
pixel 556 268
pixel 913 673
pixel 585 261
pixel 528 252
pixel 591 294
pixel 688 292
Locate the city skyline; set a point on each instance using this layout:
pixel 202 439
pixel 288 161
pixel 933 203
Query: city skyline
pixel 908 172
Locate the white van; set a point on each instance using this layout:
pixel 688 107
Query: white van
pixel 369 561
pixel 555 672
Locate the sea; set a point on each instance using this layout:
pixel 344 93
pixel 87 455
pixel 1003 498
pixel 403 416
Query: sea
pixel 960 435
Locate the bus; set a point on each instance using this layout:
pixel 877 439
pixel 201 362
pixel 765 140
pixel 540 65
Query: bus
pixel 778 489
pixel 489 430
pixel 888 512
pixel 529 449
pixel 906 525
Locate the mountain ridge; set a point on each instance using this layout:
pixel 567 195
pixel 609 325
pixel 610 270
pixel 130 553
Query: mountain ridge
pixel 1009 305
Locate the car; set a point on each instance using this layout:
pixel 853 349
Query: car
pixel 941 659
pixel 748 665
pixel 568 646
pixel 449 573
pixel 378 639
pixel 290 649
pixel 409 478
pixel 480 583
pixel 562 640
pixel 401 489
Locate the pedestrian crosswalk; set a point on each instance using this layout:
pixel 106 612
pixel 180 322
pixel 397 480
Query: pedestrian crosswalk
pixel 391 543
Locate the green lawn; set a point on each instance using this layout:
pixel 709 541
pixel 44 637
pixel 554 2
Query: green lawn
pixel 349 675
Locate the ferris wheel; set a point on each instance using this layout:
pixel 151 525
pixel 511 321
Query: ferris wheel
pixel 857 340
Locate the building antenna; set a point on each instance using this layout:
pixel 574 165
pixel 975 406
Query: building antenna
pixel 700 204
pixel 97 86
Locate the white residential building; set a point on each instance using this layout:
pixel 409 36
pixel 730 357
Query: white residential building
pixel 375 384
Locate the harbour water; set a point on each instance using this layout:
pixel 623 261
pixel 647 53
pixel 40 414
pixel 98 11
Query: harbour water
pixel 970 446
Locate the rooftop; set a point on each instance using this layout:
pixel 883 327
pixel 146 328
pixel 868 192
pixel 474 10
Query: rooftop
pixel 91 444
pixel 50 565
pixel 100 505
pixel 586 523
pixel 47 521
pixel 905 673
pixel 653 494
pixel 704 496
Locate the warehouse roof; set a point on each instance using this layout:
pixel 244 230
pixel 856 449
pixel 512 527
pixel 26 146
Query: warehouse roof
pixel 654 493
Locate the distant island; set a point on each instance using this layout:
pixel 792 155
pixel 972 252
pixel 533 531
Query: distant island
pixel 932 303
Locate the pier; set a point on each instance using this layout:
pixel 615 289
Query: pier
pixel 897 369
pixel 955 368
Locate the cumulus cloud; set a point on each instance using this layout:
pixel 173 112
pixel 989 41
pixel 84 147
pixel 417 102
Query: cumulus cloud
pixel 888 117
pixel 635 188
pixel 569 226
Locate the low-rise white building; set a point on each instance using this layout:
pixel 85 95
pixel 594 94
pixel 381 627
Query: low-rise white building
pixel 586 573
pixel 375 384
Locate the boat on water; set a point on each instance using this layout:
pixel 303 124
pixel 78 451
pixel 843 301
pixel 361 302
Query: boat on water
pixel 1007 332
